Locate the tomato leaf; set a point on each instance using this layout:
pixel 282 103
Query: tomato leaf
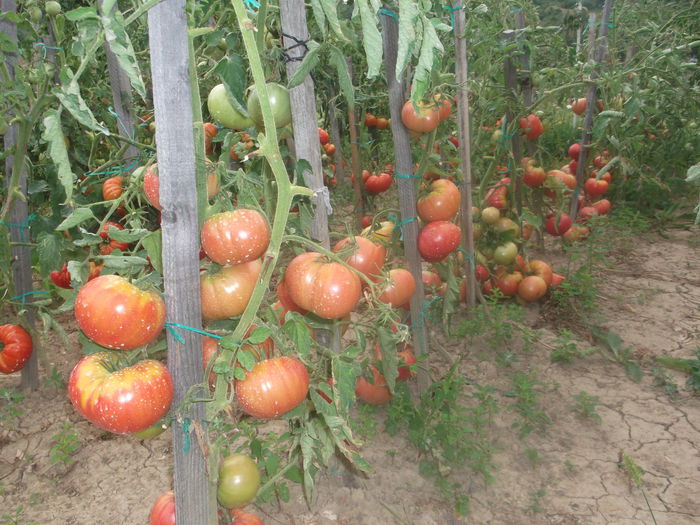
pixel 48 249
pixel 232 71
pixel 389 363
pixel 125 235
pixel 294 474
pixel 337 58
pixel 81 13
pixel 119 42
pixel 531 218
pixel 89 346
pixel 298 331
pixel 430 44
pixel 75 218
pixel 344 379
pixel 71 99
pixel 407 34
pixel 246 358
pixel 53 135
pixel 330 10
pixel 123 262
pixel 259 335
pixel 153 244
pixel 309 62
pixel 371 38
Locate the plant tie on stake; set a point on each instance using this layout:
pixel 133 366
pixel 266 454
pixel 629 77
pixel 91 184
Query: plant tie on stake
pixel 407 176
pixel 171 328
pixel 399 224
pixel 252 4
pixel 299 43
pixel 452 13
pixel 388 12
pixel 129 133
pixel 470 257
pixel 44 47
pixel 22 227
pixel 24 295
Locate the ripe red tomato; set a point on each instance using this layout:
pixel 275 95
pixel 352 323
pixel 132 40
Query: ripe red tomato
pixel 123 400
pixel 481 272
pixel 221 109
pixel 576 233
pixel 574 150
pixel 586 213
pixel 533 176
pixel 425 120
pixel 235 237
pixel 273 387
pixel 557 279
pixel 323 136
pixel 531 126
pixel 210 131
pixel 370 120
pixel 560 178
pixel 239 481
pixel 573 167
pixel 163 510
pixel 226 293
pixel 373 394
pixel 15 348
pixel 116 314
pixel 595 187
pixel 62 278
pixel 441 203
pixel 444 106
pixel 111 245
pixel 579 106
pixel 366 256
pixel 375 184
pixel 497 197
pixel 382 123
pixel 508 283
pixel 431 282
pixel 602 206
pixel 399 288
pixel 438 239
pixel 240 517
pixel 366 221
pixel 540 269
pixel 328 289
pixel 531 288
pixel 287 303
pixel 112 188
pixel 557 228
pixel 329 149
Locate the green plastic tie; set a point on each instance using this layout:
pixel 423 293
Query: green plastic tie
pixel 388 12
pixel 44 47
pixel 171 328
pixel 186 431
pixel 452 13
pixel 129 133
pixel 22 227
pixel 407 176
pixel 24 295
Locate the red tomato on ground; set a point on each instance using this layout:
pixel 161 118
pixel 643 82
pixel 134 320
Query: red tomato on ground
pixel 122 401
pixel 328 289
pixel 116 314
pixel 441 203
pixel 240 517
pixel 602 206
pixel 15 348
pixel 438 239
pixel 540 269
pixel 163 510
pixel 365 256
pixel 273 387
pixel 557 228
pixel 226 293
pixel 235 237
pixel 531 288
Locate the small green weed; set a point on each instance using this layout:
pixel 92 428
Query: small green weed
pixel 364 424
pixel 689 366
pixel 10 410
pixel 55 379
pixel 635 473
pixel 567 349
pixel 585 407
pixel 16 518
pixel 532 417
pixel 501 323
pixel 533 456
pixel 65 444
pixel 624 356
pixel 536 501
pixel 663 379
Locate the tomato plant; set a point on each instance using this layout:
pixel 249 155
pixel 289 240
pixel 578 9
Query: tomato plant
pixel 15 348
pixel 110 245
pixel 235 237
pixel 116 314
pixel 226 293
pixel 328 289
pixel 239 481
pixel 273 387
pixel 120 399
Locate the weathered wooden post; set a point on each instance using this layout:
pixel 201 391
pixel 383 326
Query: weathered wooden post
pixel 464 134
pixel 21 253
pixel 510 75
pixel 591 102
pixel 168 41
pixel 407 193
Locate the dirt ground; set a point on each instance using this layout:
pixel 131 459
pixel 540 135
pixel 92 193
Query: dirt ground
pixel 568 472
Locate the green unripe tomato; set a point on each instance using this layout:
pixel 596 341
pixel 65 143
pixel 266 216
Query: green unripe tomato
pixel 222 110
pixel 52 7
pixel 279 100
pixel 35 14
pixel 239 481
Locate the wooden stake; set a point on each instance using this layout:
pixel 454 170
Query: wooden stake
pixel 168 42
pixel 464 134
pixel 407 194
pixel 511 84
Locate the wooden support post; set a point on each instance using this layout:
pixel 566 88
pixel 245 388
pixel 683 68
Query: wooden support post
pixel 355 158
pixel 21 255
pixel 121 97
pixel 511 84
pixel 407 194
pixel 601 46
pixel 168 42
pixel 464 134
pixel 524 74
pixel 303 102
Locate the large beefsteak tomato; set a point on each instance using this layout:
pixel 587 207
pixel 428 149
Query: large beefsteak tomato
pixel 438 239
pixel 163 510
pixel 366 256
pixel 235 237
pixel 15 348
pixel 226 293
pixel 441 203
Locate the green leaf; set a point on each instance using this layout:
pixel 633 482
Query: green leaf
pixel 309 62
pixel 89 346
pixel 87 239
pixel 153 244
pixel 72 100
pixel 633 371
pixel 330 9
pixel 407 34
pixel 294 474
pixel 693 174
pixel 429 45
pixel 53 135
pixel 298 331
pixel 78 216
pixel 246 359
pixel 123 262
pixel 119 42
pixel 48 249
pixel 81 13
pixel 371 38
pixel 344 378
pixel 531 218
pixel 319 16
pixel 389 362
pixel 337 59
pixel 259 335
pixel 126 235
pixel 233 73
